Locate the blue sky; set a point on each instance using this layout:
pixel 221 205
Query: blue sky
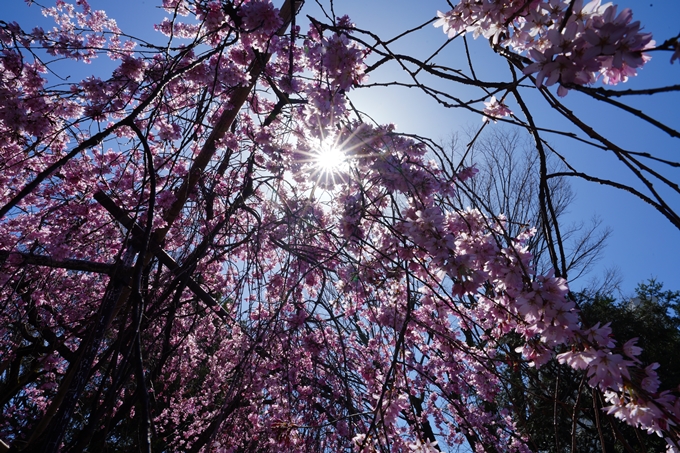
pixel 643 244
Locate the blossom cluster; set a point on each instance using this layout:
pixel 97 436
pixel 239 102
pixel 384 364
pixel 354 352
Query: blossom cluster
pixel 569 42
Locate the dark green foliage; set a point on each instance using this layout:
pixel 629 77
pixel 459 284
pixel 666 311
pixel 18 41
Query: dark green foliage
pixel 555 407
pixel 653 316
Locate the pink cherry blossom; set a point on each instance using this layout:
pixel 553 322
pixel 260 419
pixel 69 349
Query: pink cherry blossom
pixel 495 109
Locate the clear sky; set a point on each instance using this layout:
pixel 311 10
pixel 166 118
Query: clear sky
pixel 643 244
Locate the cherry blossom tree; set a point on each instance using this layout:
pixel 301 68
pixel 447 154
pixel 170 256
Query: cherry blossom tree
pixel 210 249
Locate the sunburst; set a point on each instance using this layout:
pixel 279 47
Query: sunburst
pixel 330 159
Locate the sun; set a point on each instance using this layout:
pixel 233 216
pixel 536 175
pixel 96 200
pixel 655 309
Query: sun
pixel 327 162
pixel 330 159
